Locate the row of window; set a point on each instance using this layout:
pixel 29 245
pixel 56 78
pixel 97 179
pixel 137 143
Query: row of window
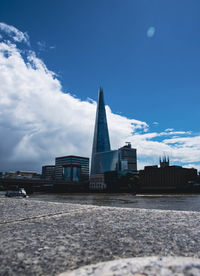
pixel 97 186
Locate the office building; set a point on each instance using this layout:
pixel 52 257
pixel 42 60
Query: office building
pixel 104 159
pixel 127 158
pixel 122 160
pixel 48 172
pixel 22 175
pixel 97 182
pixel 101 141
pixel 72 168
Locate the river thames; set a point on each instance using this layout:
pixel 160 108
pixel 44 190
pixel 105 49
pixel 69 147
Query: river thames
pixel 176 202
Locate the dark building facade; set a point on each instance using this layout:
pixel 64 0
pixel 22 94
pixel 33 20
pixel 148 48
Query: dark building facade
pixel 48 172
pixel 128 158
pixel 72 168
pixel 166 177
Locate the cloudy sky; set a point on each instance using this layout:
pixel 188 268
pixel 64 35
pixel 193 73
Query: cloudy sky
pixel 53 58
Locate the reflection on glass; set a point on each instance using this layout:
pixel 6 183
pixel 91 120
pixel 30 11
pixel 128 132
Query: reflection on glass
pixel 67 173
pixel 76 173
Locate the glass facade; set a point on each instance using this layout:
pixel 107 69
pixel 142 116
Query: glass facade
pixel 128 158
pixel 105 161
pixel 101 141
pixel 72 173
pixel 72 168
pixel 67 173
pixel 76 173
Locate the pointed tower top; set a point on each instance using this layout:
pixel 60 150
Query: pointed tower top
pixel 100 89
pixel 100 96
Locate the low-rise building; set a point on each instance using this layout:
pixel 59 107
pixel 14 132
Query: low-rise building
pixel 97 182
pixel 22 175
pixel 72 168
pixel 48 172
pixel 166 177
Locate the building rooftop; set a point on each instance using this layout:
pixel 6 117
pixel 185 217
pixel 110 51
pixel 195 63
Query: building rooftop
pixel 72 156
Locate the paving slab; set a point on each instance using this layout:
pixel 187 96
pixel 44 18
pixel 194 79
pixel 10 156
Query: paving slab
pixel 16 209
pixel 143 266
pixel 64 236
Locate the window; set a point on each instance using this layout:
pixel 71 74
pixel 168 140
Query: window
pixel 76 173
pixel 67 173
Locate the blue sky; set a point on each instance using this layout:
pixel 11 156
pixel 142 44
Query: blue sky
pixel 145 54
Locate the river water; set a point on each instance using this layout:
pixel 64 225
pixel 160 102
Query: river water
pixel 178 202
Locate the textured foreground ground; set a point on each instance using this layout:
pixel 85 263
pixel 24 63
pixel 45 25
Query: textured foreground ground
pixel 43 238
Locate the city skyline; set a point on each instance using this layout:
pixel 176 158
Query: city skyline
pixel 146 63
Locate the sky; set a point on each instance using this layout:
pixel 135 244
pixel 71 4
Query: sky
pixel 55 55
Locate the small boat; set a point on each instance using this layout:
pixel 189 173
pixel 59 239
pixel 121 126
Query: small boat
pixel 21 192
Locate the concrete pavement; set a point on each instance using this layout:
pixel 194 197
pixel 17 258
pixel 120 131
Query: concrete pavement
pixel 43 238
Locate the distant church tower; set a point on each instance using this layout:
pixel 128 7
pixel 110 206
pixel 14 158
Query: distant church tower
pixel 101 141
pixel 165 162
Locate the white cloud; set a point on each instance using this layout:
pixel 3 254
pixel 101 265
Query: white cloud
pixel 169 129
pixel 151 31
pixel 155 123
pixel 14 33
pixel 196 166
pixel 168 133
pixel 38 121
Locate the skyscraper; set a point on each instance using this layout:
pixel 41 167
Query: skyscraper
pixel 101 141
pixel 104 160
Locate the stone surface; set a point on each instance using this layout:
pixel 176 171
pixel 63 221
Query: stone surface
pixel 151 266
pixel 12 209
pixel 42 238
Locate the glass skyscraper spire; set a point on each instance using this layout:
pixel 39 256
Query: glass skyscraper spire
pixel 101 141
